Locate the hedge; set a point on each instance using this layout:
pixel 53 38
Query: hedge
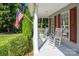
pixel 15 47
pixel 27 28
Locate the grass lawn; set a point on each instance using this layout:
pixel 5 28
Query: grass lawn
pixel 14 45
pixel 5 43
pixel 4 38
pixel 8 36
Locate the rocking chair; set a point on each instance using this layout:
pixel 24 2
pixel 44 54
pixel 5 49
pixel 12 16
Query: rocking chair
pixel 57 36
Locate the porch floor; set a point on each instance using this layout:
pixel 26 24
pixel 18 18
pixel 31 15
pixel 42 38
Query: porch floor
pixel 48 50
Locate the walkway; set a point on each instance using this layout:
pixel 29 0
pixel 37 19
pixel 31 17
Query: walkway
pixel 49 50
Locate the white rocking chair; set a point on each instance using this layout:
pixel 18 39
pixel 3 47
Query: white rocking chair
pixel 58 36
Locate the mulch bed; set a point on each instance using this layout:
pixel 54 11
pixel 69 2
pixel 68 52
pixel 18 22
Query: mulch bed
pixel 30 53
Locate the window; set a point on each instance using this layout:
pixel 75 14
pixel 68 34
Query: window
pixel 45 22
pixel 42 24
pixel 65 24
pixel 52 25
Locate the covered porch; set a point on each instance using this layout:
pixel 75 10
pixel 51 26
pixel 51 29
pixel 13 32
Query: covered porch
pixel 49 50
pixel 48 17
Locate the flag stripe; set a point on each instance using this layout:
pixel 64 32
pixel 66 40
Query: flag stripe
pixel 19 16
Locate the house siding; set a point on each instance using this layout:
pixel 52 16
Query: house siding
pixel 68 42
pixel 55 24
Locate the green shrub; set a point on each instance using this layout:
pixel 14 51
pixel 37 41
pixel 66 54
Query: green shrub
pixel 23 43
pixel 4 50
pixel 16 46
pixel 27 28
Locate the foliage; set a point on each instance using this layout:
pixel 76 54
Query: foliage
pixel 4 15
pixel 16 46
pixel 13 8
pixel 8 17
pixel 19 44
pixel 43 22
pixel 27 24
pixel 27 28
pixel 4 43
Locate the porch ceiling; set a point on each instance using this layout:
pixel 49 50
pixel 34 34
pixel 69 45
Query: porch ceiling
pixel 46 9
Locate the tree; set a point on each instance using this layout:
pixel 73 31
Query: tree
pixel 13 8
pixel 4 17
pixel 27 28
pixel 8 17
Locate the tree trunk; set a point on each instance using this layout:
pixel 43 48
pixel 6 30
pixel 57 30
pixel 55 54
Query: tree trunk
pixel 8 30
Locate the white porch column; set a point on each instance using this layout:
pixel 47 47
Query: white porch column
pixel 35 30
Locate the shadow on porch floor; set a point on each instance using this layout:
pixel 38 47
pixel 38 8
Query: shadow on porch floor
pixel 48 50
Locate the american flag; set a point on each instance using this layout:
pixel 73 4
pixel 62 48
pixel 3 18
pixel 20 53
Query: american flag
pixel 19 16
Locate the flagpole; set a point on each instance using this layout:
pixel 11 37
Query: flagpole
pixel 28 19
